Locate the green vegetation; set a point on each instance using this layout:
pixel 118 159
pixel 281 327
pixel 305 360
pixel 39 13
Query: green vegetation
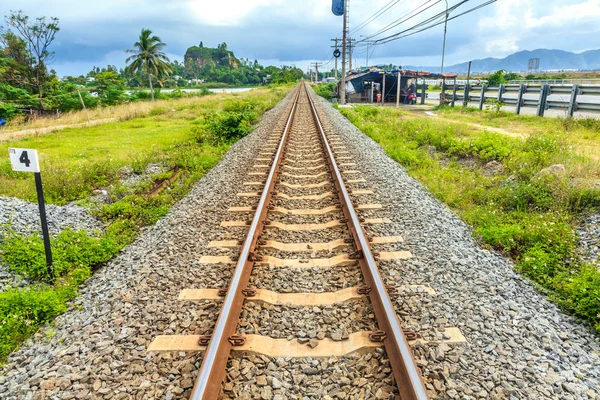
pixel 26 82
pixel 515 204
pixel 220 65
pixel 326 91
pixel 188 136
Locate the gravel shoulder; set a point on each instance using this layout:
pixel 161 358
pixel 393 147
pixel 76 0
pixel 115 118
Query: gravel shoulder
pixel 520 345
pixel 97 349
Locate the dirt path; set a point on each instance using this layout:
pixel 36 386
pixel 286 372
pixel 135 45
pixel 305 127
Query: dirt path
pixel 476 125
pixel 6 136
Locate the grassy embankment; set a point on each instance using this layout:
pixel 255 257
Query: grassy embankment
pixel 188 136
pixel 514 208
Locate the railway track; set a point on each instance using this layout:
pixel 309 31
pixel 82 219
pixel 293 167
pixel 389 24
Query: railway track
pixel 309 208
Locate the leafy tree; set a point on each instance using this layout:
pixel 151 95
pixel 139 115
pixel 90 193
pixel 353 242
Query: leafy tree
pixel 148 58
pixel 496 78
pixel 31 45
pixel 110 88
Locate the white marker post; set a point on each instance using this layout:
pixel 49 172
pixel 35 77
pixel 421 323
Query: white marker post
pixel 26 160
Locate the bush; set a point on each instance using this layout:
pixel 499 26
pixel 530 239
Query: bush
pixel 74 252
pixel 23 311
pixel 528 217
pixel 230 124
pixel 7 111
pixel 327 91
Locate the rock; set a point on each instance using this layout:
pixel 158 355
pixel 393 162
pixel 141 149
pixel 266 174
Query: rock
pixel 266 393
pixel 276 383
pixel 494 168
pixel 261 380
pixel 555 170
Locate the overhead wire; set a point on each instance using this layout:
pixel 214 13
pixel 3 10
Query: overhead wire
pixel 377 14
pixel 404 18
pixel 432 22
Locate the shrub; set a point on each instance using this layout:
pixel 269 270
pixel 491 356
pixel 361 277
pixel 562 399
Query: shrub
pixel 74 252
pixel 327 91
pixel 529 218
pixel 23 311
pixel 7 111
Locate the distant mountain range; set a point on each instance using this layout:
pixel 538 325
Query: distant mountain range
pixel 518 62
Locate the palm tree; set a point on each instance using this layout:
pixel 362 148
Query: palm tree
pixel 148 58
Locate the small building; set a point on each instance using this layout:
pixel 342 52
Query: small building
pixel 364 86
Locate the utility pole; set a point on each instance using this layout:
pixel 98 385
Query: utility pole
pixel 445 29
pixel 351 44
pixel 345 33
pixel 335 47
pixel 316 65
pixel 467 87
pixel 368 42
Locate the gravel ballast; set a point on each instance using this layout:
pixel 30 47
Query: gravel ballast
pixel 520 345
pixel 24 217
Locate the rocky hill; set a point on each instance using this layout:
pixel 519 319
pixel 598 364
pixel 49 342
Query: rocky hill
pixel 212 57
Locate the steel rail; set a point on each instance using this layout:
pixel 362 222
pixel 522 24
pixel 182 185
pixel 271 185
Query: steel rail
pixel 212 370
pixel 407 375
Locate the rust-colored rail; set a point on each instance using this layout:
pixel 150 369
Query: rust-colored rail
pixel 408 376
pixel 212 371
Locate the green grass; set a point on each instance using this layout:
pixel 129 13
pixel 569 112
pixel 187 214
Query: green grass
pixel 528 216
pixel 189 137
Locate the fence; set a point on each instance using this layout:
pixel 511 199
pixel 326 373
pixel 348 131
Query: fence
pixel 477 93
pixel 557 81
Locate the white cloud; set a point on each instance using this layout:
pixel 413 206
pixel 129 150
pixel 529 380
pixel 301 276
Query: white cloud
pixel 94 32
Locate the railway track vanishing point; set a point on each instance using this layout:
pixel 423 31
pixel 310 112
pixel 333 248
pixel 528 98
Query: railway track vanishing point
pixel 290 159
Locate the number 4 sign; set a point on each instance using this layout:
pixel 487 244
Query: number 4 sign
pixel 24 160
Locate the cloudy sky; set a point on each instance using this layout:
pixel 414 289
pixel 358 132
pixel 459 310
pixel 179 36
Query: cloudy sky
pixel 298 32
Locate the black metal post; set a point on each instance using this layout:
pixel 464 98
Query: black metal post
pixel 45 234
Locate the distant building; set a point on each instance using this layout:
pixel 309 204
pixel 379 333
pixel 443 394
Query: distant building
pixel 90 79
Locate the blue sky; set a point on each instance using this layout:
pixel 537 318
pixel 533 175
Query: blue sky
pixel 298 32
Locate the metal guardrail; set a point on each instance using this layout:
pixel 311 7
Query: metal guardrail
pixel 478 93
pixel 556 82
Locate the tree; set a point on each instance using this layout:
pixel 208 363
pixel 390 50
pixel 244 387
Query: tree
pixel 35 38
pixel 496 78
pixel 148 58
pixel 110 88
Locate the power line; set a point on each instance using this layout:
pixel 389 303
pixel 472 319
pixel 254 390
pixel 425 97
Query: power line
pixel 432 23
pixel 404 18
pixel 378 13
